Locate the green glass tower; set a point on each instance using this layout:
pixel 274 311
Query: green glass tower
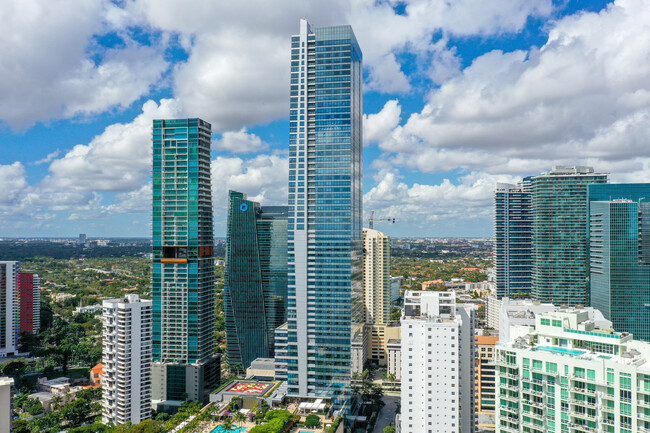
pixel 255 283
pixel 560 249
pixel 619 226
pixel 185 365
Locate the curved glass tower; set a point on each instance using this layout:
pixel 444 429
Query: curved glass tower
pixel 255 283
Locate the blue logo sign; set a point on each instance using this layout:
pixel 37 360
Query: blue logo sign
pixel 243 207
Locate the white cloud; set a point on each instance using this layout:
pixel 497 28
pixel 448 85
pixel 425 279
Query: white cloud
pixel 239 142
pixel 238 67
pixel 419 205
pixel 264 178
pixel 12 183
pixel 376 127
pixel 52 67
pixel 583 96
pixel 48 158
pixel 119 159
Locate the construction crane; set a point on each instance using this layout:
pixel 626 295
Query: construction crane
pixel 372 219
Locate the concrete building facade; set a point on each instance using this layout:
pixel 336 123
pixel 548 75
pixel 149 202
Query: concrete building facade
pixel 126 360
pixel 437 355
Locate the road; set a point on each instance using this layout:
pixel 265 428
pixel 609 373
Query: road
pixel 387 414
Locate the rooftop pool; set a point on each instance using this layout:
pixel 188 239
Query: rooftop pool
pixel 560 350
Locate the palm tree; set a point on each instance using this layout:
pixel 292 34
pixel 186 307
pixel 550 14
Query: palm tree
pixel 226 424
pixel 239 418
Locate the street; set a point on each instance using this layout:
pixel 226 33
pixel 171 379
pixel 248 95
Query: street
pixel 387 414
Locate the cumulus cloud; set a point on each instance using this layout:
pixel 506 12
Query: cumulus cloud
pixel 418 206
pixel 376 127
pixel 13 182
pixel 583 96
pixel 264 178
pixel 239 142
pixel 119 159
pixel 53 68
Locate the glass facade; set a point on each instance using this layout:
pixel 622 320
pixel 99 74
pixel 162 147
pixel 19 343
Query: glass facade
pixel 183 263
pixel 513 233
pixel 560 249
pixel 255 283
pixel 620 275
pixel 325 295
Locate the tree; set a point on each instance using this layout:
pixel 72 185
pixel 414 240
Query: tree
pixel 226 424
pixel 76 412
pixel 239 417
pixel 389 429
pixel 33 406
pixel 312 421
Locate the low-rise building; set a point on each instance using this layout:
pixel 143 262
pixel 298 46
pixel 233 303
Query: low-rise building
pixel 96 374
pixel 394 369
pixel 261 369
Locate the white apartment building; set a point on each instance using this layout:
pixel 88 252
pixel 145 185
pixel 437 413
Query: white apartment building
pixel 437 390
pixel 570 375
pixel 6 404
pixel 126 358
pixel 9 307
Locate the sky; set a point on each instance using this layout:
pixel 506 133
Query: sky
pixel 457 96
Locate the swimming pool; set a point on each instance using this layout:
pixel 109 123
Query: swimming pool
pixel 560 350
pixel 234 429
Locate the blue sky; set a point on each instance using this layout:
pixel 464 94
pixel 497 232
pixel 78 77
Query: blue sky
pixel 458 96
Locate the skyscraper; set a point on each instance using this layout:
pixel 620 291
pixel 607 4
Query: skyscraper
pixel 255 283
pixel 126 359
pixel 513 233
pixel 376 293
pixel 376 277
pixel 560 250
pixel 324 264
pixel 9 307
pixel 30 303
pixel 185 365
pixel 620 268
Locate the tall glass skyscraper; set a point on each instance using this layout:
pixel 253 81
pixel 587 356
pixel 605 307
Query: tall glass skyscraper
pixel 185 365
pixel 619 226
pixel 255 284
pixel 560 249
pixel 324 259
pixel 513 233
